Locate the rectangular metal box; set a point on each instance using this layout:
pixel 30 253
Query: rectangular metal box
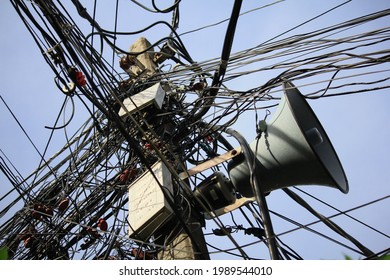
pixel 148 207
pixel 152 95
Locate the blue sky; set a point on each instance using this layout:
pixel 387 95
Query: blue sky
pixel 356 124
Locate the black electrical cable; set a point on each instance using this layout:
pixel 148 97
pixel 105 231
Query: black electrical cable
pixel 219 74
pixel 70 118
pixel 328 222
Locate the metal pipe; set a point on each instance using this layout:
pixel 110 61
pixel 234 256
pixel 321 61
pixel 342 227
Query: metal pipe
pixel 259 194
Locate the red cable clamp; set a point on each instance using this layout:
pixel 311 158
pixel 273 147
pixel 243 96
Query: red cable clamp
pixel 80 78
pixel 77 76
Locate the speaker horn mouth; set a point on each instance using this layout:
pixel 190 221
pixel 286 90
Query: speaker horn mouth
pixel 308 122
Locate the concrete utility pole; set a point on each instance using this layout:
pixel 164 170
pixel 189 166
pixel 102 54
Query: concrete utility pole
pixel 182 247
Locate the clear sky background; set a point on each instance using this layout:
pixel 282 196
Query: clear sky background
pixel 358 125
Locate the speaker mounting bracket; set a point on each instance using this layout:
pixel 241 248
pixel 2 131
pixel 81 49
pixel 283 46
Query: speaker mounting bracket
pixel 210 163
pixel 230 208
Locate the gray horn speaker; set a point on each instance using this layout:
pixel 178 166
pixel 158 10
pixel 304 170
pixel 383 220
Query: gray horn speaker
pixel 294 150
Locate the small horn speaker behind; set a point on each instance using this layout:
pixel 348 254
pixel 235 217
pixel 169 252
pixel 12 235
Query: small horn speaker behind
pixel 294 150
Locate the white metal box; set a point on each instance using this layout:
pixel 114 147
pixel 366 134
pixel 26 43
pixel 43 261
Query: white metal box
pixel 152 95
pixel 148 207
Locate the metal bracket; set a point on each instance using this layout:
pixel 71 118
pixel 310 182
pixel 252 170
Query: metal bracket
pixel 237 204
pixel 210 163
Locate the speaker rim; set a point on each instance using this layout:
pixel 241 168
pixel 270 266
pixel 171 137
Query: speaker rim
pixel 291 90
